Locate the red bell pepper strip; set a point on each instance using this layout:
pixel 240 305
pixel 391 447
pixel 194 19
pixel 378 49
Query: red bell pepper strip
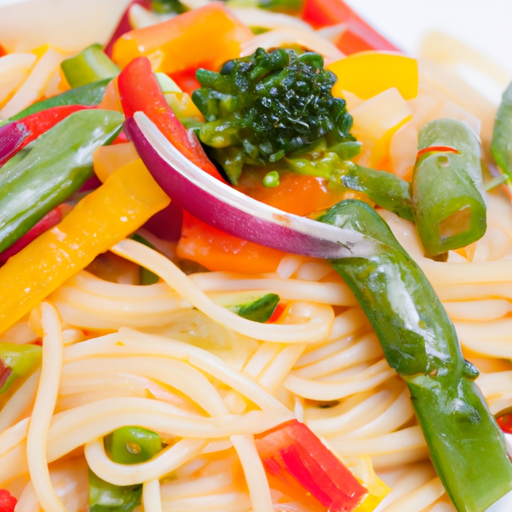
pixel 3 51
pixel 48 221
pixel 139 90
pixel 124 25
pixel 505 423
pixel 358 36
pixel 7 501
pixel 41 122
pixel 292 454
pixel 436 149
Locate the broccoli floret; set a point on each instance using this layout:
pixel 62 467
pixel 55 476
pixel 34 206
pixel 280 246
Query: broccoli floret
pixel 268 106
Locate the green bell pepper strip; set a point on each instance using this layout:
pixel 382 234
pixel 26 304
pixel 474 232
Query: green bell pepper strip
pixel 447 190
pixel 259 310
pixel 106 497
pixel 133 445
pixel 50 169
pixel 88 95
pixel 145 276
pixel 501 146
pixel 89 66
pixel 17 361
pixel 420 343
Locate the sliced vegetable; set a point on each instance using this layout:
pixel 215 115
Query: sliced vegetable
pixel 140 91
pixel 87 95
pixel 383 188
pixel 501 147
pixel 133 445
pixel 89 66
pixel 100 220
pixel 124 24
pixel 286 6
pixel 17 361
pixel 217 204
pixel 367 74
pixel 358 35
pixel 168 6
pixel 48 221
pixel 208 36
pixel 284 105
pixel 505 422
pixel 40 122
pixel 108 159
pixel 145 276
pixel 375 122
pixel 216 250
pixel 7 501
pixel 11 137
pixel 421 344
pixel 297 194
pixel 106 497
pixel 51 169
pixel 454 215
pixel 257 307
pixel 303 468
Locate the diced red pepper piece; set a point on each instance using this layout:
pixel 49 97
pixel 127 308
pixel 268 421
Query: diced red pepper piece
pixel 276 315
pixel 41 122
pixel 186 80
pixel 302 467
pixel 217 250
pixel 505 423
pixel 140 91
pixel 358 36
pixel 51 219
pixel 7 501
pixel 124 25
pixel 436 149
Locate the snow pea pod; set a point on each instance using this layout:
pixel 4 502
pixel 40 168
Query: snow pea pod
pixel 89 66
pixel 420 343
pixel 383 188
pixel 501 146
pixel 133 445
pixel 446 189
pixel 88 95
pixel 50 169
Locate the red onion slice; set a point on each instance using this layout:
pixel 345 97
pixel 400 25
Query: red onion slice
pixel 11 136
pixel 225 208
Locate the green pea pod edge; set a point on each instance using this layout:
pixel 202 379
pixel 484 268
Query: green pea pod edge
pixel 51 169
pixel 419 341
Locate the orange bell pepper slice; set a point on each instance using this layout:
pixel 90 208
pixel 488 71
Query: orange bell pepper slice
pixel 217 250
pixel 297 194
pixel 100 220
pixel 207 37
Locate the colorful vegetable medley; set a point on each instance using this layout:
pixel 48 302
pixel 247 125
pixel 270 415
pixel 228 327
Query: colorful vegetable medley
pixel 274 164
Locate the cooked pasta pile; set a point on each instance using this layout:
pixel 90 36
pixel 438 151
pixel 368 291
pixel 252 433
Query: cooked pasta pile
pixel 169 357
pixel 175 362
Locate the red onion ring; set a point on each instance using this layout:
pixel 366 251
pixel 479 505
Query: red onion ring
pixel 225 208
pixel 11 136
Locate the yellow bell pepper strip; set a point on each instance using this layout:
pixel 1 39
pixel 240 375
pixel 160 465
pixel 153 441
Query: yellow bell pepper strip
pixel 51 168
pixel 89 66
pixel 367 74
pixel 108 159
pixel 208 37
pixel 100 220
